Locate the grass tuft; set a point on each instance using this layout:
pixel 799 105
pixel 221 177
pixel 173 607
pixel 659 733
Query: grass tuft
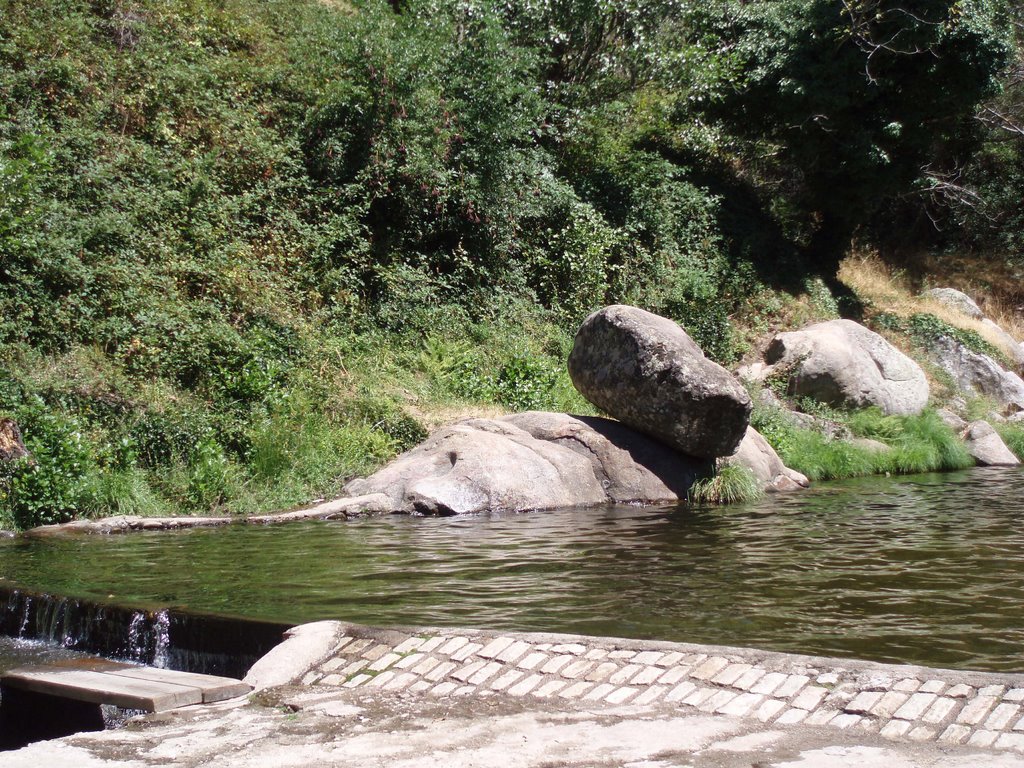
pixel 732 484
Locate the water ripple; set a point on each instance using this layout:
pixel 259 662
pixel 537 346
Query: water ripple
pixel 928 569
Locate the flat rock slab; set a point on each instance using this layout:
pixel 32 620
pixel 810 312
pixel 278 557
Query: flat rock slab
pixel 530 461
pixel 144 688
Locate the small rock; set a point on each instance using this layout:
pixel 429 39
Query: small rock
pixel 756 454
pixel 831 430
pixel 951 420
pixel 876 446
pixel 987 448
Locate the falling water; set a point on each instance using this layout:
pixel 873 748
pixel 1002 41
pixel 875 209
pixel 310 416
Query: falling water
pixel 163 637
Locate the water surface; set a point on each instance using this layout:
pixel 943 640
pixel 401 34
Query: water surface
pixel 927 569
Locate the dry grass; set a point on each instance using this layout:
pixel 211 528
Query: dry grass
pixel 996 284
pixel 886 290
pixel 435 415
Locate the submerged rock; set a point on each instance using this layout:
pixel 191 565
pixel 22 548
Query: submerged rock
pixel 757 455
pixel 986 446
pixel 646 372
pixel 844 364
pixel 531 460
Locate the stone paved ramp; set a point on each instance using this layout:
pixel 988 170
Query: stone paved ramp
pixel 368 697
pixel 897 702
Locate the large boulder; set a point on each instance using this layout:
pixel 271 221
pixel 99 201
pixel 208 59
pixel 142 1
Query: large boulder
pixel 645 371
pixel 757 455
pixel 986 446
pixel 978 374
pixel 531 460
pixel 844 364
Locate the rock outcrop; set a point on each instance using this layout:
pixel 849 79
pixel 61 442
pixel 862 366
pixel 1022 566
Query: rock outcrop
pixel 1008 345
pixel 957 300
pixel 11 445
pixel 966 305
pixel 757 455
pixel 986 446
pixel 531 460
pixel 979 374
pixel 646 372
pixel 844 364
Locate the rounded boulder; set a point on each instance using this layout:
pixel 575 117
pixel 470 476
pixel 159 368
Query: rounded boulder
pixel 844 364
pixel 646 372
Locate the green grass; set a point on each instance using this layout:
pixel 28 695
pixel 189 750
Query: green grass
pixel 1013 436
pixel 921 443
pixel 730 485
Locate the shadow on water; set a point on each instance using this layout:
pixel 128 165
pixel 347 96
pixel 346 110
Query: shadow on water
pixel 926 569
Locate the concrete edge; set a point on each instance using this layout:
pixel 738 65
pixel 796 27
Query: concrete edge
pixel 774 660
pixel 304 647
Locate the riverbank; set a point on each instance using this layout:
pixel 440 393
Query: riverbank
pixel 418 697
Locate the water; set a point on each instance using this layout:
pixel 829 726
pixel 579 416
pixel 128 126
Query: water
pixel 15 652
pixel 927 569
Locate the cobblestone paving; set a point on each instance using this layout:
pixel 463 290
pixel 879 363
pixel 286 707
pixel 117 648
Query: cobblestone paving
pixel 902 703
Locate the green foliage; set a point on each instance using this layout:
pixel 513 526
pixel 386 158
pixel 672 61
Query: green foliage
pixel 838 101
pixel 820 458
pixel 522 383
pixel 922 443
pixel 925 329
pixel 242 239
pixel 51 485
pixel 1013 435
pixel 731 484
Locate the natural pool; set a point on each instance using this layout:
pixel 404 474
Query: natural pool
pixel 926 569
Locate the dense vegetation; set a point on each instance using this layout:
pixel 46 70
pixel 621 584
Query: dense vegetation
pixel 249 249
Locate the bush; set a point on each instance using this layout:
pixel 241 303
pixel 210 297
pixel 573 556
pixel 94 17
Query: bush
pixel 52 485
pixel 921 443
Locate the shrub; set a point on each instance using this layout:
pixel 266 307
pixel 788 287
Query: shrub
pixel 52 485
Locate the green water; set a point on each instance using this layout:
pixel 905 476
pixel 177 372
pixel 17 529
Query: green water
pixel 926 569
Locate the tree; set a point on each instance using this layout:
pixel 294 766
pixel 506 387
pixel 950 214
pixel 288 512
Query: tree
pixel 845 104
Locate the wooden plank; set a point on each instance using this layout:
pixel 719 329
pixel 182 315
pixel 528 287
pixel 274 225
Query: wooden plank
pixel 214 688
pixel 103 688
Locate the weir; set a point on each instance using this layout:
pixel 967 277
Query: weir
pixel 168 637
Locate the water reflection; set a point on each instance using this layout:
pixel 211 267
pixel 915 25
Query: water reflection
pixel 925 569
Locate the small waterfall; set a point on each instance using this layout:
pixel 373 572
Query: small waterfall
pixel 162 640
pixel 162 637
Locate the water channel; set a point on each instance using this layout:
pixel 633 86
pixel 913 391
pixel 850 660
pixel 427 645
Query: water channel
pixel 926 569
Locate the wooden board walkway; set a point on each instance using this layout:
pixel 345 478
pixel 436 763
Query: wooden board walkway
pixel 122 685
